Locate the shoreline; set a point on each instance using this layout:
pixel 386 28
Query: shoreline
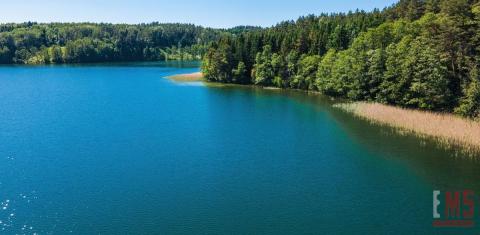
pixel 446 129
pixel 188 77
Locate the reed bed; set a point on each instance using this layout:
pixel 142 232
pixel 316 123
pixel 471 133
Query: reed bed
pixel 449 130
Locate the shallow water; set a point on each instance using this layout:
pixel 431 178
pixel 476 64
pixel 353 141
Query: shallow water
pixel 117 148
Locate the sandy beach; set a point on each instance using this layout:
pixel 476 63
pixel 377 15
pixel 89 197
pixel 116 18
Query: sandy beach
pixel 190 77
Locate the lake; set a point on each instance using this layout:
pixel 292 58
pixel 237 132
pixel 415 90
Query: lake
pixel 120 149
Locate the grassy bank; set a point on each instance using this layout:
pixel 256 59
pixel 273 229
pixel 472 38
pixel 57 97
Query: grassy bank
pixel 191 77
pixel 448 129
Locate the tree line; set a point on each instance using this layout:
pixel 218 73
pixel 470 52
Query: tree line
pixel 417 53
pixel 33 43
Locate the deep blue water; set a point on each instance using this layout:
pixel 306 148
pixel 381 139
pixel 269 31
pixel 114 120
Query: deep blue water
pixel 119 149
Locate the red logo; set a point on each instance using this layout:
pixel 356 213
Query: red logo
pixel 453 208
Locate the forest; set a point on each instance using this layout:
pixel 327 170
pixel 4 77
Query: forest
pixel 421 54
pixel 33 43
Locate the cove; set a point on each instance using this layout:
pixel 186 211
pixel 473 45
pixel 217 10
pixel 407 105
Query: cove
pixel 119 149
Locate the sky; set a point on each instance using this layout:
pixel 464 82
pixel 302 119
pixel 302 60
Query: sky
pixel 209 13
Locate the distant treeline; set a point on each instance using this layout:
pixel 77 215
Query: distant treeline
pixel 418 53
pixel 32 43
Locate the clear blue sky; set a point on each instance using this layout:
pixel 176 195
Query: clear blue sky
pixel 211 13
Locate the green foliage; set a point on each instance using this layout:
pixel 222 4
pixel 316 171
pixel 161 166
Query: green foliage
pixel 307 73
pixel 394 84
pixel 217 64
pixel 240 73
pixel 428 75
pixel 417 54
pixel 326 82
pixel 470 103
pixel 279 72
pixel 263 71
pixel 86 42
pixel 5 55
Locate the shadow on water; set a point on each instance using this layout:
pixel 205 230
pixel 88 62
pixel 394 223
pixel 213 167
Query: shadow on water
pixel 170 63
pixel 443 169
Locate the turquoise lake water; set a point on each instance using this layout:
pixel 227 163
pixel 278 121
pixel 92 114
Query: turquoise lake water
pixel 119 149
